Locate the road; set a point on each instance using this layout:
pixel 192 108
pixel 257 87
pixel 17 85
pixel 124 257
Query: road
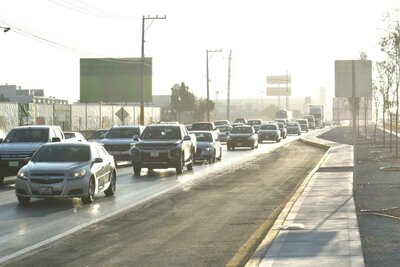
pixel 159 212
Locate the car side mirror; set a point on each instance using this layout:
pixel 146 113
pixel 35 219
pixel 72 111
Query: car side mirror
pixel 56 139
pixel 97 160
pixel 135 138
pixel 187 138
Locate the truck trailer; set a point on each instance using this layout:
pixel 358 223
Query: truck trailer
pixel 318 112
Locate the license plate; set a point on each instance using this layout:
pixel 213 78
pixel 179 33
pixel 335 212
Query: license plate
pixel 154 154
pixel 45 190
pixel 13 163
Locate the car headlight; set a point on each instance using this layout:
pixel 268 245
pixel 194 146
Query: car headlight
pixel 208 148
pixel 76 174
pixel 22 175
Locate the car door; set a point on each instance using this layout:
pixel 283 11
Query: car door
pixel 98 168
pixel 107 163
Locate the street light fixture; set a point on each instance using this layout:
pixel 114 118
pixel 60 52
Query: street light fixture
pixel 5 29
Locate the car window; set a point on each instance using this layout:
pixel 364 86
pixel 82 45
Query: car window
pixel 62 154
pixel 239 129
pixel 202 126
pixel 159 133
pixel 27 135
pixel 122 132
pixel 69 135
pixel 204 137
pixel 98 135
pixel 268 127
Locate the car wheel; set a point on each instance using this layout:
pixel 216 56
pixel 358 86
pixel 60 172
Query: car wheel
pixel 23 200
pixel 190 165
pixel 180 165
pixel 253 146
pixel 110 191
pixel 228 147
pixel 213 158
pixel 137 170
pixel 92 187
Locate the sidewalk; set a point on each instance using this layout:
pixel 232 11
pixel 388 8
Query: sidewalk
pixel 319 225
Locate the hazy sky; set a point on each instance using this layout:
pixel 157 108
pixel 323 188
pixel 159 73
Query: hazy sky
pixel 48 37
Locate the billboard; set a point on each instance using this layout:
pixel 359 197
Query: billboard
pixel 279 91
pixel 114 79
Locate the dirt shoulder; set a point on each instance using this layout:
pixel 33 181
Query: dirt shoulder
pixel 376 194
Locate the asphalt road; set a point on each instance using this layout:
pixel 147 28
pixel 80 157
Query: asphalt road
pixel 202 222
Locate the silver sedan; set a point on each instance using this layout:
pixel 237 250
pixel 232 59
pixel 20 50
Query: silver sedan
pixel 66 170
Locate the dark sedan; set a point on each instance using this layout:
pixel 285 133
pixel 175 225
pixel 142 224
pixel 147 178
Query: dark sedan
pixel 242 136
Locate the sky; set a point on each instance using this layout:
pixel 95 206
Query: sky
pixel 302 38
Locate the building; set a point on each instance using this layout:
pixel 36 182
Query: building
pixel 14 93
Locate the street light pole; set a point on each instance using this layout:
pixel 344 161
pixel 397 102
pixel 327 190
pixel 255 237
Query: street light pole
pixel 208 83
pixel 141 118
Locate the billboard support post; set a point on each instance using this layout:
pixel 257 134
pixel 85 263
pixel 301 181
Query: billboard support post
pixel 141 118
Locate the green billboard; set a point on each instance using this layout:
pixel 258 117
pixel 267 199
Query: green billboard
pixel 115 79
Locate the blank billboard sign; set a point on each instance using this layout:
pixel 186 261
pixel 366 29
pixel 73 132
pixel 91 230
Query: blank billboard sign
pixel 114 79
pixel 344 78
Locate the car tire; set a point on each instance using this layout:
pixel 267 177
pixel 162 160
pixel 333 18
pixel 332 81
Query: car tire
pixel 253 146
pixel 23 200
pixel 180 165
pixel 92 187
pixel 189 167
pixel 110 191
pixel 213 158
pixel 220 154
pixel 137 170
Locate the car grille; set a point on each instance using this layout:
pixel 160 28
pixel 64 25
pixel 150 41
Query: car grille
pixel 161 157
pixel 16 155
pixel 46 181
pixel 123 147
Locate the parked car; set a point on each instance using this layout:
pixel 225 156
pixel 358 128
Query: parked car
pixel 20 144
pixel 269 131
pixel 223 132
pixel 163 146
pixel 66 170
pixel 303 124
pixel 283 129
pixel 208 146
pixel 256 123
pixel 97 135
pixel 293 127
pixel 242 136
pixel 221 122
pixel 76 136
pixel 120 139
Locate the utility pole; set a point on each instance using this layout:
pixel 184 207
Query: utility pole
pixel 141 118
pixel 287 97
pixel 208 82
pixel 228 98
pixel 216 103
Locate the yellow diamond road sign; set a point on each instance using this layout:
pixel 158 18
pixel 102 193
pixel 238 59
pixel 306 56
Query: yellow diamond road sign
pixel 122 114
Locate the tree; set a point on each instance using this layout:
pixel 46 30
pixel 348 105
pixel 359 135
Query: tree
pixel 390 45
pixel 201 109
pixel 182 99
pixel 385 72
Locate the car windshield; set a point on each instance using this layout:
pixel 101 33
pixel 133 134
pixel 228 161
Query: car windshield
pixel 122 132
pixel 203 137
pixel 202 126
pixel 69 135
pixel 268 127
pixel 255 122
pixel 27 135
pixel 160 133
pixel 98 135
pixel 67 153
pixel 240 129
pixel 224 128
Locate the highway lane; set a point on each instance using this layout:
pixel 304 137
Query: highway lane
pixel 25 228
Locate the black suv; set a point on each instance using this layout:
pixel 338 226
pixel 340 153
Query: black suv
pixel 163 146
pixel 20 144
